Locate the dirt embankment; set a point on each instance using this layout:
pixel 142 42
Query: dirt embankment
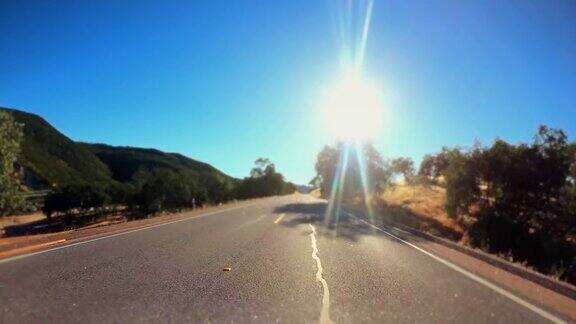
pixel 420 207
pixel 20 219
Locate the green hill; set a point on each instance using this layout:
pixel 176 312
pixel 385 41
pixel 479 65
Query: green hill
pixel 125 162
pixel 49 158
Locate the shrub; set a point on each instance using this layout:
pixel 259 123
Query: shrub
pixel 74 198
pixel 518 200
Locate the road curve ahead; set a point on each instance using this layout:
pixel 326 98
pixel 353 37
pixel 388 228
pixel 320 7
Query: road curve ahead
pixel 277 259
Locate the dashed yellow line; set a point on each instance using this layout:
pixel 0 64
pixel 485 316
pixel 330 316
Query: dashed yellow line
pixel 279 219
pixel 25 249
pixel 49 243
pixel 32 247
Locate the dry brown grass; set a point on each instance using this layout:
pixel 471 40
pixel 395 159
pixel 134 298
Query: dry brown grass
pixel 315 193
pixel 425 203
pixel 20 219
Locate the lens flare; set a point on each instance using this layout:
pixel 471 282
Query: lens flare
pixel 353 108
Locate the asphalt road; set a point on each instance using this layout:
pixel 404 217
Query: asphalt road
pixel 288 264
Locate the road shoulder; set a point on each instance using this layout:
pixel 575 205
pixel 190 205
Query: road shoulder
pixel 16 246
pixel 526 289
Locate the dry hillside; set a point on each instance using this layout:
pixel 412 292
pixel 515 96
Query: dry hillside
pixel 421 207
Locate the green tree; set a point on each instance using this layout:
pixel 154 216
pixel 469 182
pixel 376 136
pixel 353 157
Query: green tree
pixel 462 183
pixel 218 190
pixel 264 181
pixel 433 166
pixel 74 199
pixel 351 169
pixel 327 162
pixel 262 167
pixel 288 188
pixel 163 189
pixel 572 158
pixel 405 167
pixel 518 199
pixel 378 171
pixel 10 139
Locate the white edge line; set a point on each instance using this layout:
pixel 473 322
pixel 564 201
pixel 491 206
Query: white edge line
pixel 472 276
pixel 88 240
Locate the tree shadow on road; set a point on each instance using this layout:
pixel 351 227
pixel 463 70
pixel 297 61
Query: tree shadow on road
pixel 336 226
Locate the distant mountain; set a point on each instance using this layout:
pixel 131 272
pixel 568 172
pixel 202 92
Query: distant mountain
pixel 125 162
pixel 48 158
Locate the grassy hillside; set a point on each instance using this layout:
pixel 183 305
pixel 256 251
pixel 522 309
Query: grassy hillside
pixel 54 158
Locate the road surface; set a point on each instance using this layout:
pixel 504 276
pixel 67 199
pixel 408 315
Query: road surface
pixel 287 263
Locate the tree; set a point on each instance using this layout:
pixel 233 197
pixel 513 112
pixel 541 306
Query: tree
pixel 263 181
pixel 378 171
pixel 572 158
pixel 119 192
pixel 262 167
pixel 462 186
pixel 316 182
pixel 218 190
pixel 433 167
pixel 326 165
pixel 288 188
pixel 74 199
pixel 354 170
pixel 518 199
pixel 405 167
pixel 164 189
pixel 10 138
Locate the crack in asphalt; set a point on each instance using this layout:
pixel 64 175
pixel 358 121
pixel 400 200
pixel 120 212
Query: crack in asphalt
pixel 325 312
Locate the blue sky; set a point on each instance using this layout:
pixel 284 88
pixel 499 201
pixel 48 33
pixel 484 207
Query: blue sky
pixel 229 81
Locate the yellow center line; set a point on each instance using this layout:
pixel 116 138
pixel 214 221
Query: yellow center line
pixel 46 244
pixel 279 219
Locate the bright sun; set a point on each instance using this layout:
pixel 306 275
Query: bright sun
pixel 353 108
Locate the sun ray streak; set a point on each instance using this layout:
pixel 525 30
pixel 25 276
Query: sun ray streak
pixel 335 201
pixel 365 30
pixel 354 19
pixel 364 179
pixel 333 192
pixel 342 182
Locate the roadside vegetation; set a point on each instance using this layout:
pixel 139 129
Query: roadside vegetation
pixel 164 190
pixel 88 182
pixel 421 207
pixel 514 200
pixel 10 138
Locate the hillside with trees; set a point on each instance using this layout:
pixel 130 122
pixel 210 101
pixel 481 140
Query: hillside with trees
pixel 125 162
pixel 517 200
pixel 49 158
pixel 10 139
pixel 514 200
pixel 97 179
pixel 264 181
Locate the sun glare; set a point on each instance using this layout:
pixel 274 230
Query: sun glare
pixel 353 108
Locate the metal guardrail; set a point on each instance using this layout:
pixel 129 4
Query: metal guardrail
pixel 35 194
